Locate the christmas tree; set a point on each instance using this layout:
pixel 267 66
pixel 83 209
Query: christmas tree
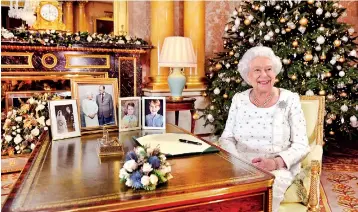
pixel 317 51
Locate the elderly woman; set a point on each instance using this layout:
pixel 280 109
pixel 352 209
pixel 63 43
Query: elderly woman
pixel 266 124
pixel 90 110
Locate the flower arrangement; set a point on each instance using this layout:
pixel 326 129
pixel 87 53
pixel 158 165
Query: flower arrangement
pixel 53 37
pixel 145 168
pixel 23 126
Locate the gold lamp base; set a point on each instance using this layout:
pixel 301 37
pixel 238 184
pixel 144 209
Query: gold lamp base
pixel 175 98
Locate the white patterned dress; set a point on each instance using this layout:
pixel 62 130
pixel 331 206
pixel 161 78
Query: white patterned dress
pixel 279 130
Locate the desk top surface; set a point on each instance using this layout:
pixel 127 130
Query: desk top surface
pixel 69 174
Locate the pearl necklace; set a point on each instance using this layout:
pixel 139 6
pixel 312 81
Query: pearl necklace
pixel 257 102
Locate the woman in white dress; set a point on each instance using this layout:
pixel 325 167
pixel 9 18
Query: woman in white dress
pixel 61 123
pixel 90 110
pixel 266 125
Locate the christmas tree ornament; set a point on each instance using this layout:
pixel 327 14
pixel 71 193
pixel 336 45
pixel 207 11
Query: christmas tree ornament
pixel 295 43
pixel 320 39
pixel 342 59
pixel 351 31
pixel 319 11
pixel 210 117
pixel 330 97
pixel 216 91
pixel 250 17
pixel 227 80
pixel 285 61
pixel 238 80
pixel 236 62
pixel 353 118
pixel 303 21
pixel 277 80
pixel 294 77
pixel 337 43
pixel 329 121
pixel 322 92
pixel 225 96
pixel 308 74
pixel 218 66
pixel 333 61
pixel 255 7
pixel 334 15
pixel 231 53
pixel 196 116
pixel 237 22
pixel 262 8
pixel 327 15
pixel 342 120
pixel 282 20
pixel 262 24
pixel 315 59
pixel 321 28
pixel 237 55
pixel 331 132
pixel 318 4
pixel 332 116
pixel 310 1
pixel 302 29
pixel 268 23
pixel 341 73
pixel 353 53
pixel 277 30
pixel 212 107
pixel 277 7
pixel 344 38
pixel 328 74
pixel 247 22
pixel 323 56
pixel 251 40
pixel 288 29
pixel 267 37
pixel 227 65
pixel 309 93
pixel 340 85
pixel 308 56
pixel 343 94
pixel 344 108
pixel 318 48
pixel 339 67
pixel 283 32
pixel 242 34
pixel 204 94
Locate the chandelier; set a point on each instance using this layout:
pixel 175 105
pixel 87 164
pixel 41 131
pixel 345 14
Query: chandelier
pixel 27 13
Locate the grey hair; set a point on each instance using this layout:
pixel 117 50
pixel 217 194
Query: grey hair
pixel 258 51
pixel 89 93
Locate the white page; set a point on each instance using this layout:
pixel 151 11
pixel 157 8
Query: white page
pixel 169 143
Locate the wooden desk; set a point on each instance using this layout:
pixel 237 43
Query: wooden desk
pixel 185 104
pixel 68 175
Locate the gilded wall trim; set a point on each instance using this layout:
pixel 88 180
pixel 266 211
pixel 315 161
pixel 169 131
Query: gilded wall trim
pixel 68 58
pixel 45 64
pixel 18 54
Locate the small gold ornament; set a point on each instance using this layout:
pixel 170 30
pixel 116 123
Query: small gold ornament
pixel 308 56
pixel 329 121
pixel 211 69
pixel 218 66
pixel 337 43
pixel 282 20
pixel 322 92
pixel 212 107
pixel 343 94
pixel 323 56
pixel 295 43
pixel 331 132
pixel 231 53
pixel 236 62
pixel 330 97
pixel 247 22
pixel 288 29
pixel 328 74
pixel 277 80
pixel 225 96
pixel 204 94
pixel 238 80
pixel 294 77
pixel 342 59
pixel 196 116
pixel 303 21
pixel 257 7
pixel 310 1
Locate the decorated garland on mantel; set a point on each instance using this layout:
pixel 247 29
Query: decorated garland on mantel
pixel 59 38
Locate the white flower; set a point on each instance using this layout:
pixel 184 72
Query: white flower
pixel 33 146
pixel 153 179
pixel 13 127
pixel 68 33
pixel 120 42
pixel 14 133
pixel 46 40
pixel 48 122
pixel 53 31
pixel 17 147
pixel 48 31
pixel 41 120
pixel 130 165
pixel 9 114
pixel 18 130
pixel 17 139
pixel 44 103
pixel 128 38
pixel 162 157
pixel 145 180
pixel 17 126
pixel 8 138
pixel 18 119
pixel 123 174
pixel 8 35
pixel 89 39
pixel 129 182
pixel 31 100
pixel 138 42
pixel 40 107
pixel 35 132
pixel 147 168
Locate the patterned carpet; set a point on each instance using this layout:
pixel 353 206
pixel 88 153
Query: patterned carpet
pixel 340 181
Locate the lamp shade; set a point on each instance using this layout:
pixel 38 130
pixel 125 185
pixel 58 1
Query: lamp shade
pixel 177 52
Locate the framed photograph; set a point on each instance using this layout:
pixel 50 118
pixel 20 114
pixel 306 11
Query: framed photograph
pixel 64 119
pixel 129 113
pixel 97 101
pixel 153 112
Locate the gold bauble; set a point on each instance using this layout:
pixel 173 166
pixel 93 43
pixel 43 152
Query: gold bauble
pixel 238 80
pixel 308 56
pixel 323 57
pixel 218 66
pixel 212 107
pixel 231 53
pixel 331 132
pixel 288 29
pixel 330 97
pixel 211 69
pixel 294 77
pixel 282 20
pixel 329 121
pixel 225 96
pixel 337 43
pixel 304 21
pixel 257 7
pixel 196 116
pixel 343 94
pixel 247 22
pixel 328 74
pixel 310 1
pixel 204 94
pixel 295 43
pixel 342 59
pixel 277 80
pixel 332 116
pixel 236 62
pixel 322 92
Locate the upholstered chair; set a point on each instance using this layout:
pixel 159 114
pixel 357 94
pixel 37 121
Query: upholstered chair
pixel 303 194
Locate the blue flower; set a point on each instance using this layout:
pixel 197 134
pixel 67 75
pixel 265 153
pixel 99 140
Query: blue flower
pixel 136 180
pixel 154 161
pixel 131 156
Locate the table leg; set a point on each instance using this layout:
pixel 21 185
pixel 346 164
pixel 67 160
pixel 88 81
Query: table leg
pixel 192 121
pixel 177 118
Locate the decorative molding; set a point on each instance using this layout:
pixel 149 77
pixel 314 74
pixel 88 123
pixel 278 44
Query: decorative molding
pixel 68 58
pixel 18 54
pixel 45 64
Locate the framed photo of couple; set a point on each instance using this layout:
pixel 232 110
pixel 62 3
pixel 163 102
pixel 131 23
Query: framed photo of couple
pixel 97 101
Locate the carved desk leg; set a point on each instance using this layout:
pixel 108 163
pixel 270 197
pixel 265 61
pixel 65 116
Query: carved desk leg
pixel 313 201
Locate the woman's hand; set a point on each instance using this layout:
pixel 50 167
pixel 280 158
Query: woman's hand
pixel 264 163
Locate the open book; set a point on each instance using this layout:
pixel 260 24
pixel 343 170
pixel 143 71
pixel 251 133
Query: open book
pixel 169 144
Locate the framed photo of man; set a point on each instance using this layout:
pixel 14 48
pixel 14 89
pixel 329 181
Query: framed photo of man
pixel 129 112
pixel 97 100
pixel 153 112
pixel 64 119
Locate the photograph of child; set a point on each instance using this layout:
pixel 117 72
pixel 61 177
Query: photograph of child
pixel 129 111
pixel 154 112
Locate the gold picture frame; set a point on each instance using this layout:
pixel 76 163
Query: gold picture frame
pixel 50 75
pixel 87 92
